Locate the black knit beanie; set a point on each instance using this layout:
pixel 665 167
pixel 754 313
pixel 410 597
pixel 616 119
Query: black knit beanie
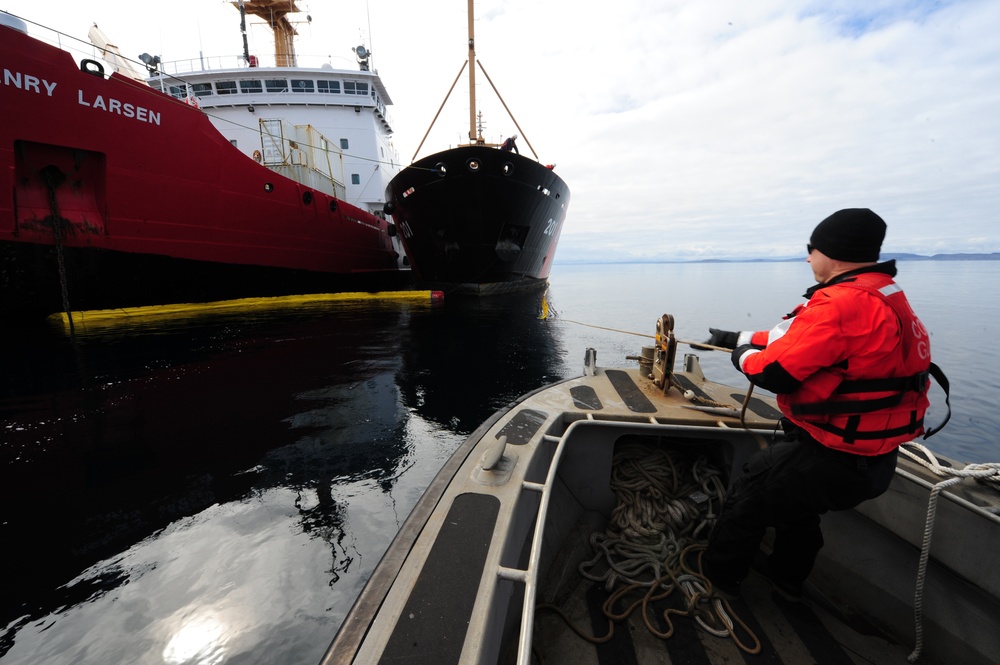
pixel 854 235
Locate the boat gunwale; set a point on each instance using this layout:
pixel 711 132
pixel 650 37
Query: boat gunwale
pixel 350 636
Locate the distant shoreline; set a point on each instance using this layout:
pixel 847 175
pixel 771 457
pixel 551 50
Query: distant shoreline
pixel 995 256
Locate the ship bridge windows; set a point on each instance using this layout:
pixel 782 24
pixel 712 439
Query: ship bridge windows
pixel 250 86
pixel 276 85
pixel 355 88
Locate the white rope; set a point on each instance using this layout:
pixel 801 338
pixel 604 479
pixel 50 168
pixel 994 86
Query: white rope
pixel 666 506
pixel 988 473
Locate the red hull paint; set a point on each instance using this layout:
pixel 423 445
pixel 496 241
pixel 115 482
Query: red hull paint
pixel 108 164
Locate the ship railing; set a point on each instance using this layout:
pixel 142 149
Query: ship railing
pixel 305 175
pixel 237 61
pixel 76 47
pixel 302 153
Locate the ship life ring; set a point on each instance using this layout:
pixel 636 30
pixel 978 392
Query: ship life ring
pixel 256 156
pixel 92 67
pixel 192 101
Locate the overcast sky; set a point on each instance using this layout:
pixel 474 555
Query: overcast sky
pixel 685 129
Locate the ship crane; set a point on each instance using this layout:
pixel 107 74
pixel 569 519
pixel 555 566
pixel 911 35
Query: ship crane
pixel 111 54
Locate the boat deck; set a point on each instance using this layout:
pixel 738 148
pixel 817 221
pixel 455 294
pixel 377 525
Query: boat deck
pixel 487 568
pixel 793 633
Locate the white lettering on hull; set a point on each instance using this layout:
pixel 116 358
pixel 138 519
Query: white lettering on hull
pixel 34 84
pixel 125 109
pixel 28 83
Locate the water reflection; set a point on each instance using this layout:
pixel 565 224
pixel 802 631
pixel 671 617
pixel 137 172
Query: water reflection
pixel 477 354
pixel 198 642
pixel 183 454
pixel 209 484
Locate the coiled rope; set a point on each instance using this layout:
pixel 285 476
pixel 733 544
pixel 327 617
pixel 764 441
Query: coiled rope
pixel 654 541
pixel 988 474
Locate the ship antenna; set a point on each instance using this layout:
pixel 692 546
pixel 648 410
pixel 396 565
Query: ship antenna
pixel 371 40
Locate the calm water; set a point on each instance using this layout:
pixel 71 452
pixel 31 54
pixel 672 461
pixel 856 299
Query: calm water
pixel 217 488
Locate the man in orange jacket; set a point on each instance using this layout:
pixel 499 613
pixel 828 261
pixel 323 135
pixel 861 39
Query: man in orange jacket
pixel 850 369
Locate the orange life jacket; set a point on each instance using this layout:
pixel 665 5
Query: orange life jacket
pixel 869 402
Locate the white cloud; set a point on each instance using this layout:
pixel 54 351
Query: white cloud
pixel 684 129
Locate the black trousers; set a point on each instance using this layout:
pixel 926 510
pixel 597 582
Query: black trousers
pixel 788 486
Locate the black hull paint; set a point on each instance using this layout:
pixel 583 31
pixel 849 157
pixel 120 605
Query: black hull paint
pixel 479 220
pixel 102 279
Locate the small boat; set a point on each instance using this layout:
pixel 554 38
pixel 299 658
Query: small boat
pixel 479 219
pixel 192 181
pixel 567 530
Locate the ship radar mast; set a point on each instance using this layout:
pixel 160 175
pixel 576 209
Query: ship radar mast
pixel 472 77
pixel 471 63
pixel 275 14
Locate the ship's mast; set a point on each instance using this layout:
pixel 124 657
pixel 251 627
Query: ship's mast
pixel 472 79
pixel 275 12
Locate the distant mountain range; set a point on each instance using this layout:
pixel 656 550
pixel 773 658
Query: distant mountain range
pixel 995 256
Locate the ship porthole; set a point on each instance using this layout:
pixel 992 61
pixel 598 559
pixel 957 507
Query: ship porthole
pixel 473 165
pixel 442 169
pixel 333 205
pixel 307 197
pixel 268 187
pixel 507 168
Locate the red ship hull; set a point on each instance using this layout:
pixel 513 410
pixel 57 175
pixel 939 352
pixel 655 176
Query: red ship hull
pixel 105 181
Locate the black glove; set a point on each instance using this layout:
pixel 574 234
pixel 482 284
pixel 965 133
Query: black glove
pixel 726 339
pixel 739 352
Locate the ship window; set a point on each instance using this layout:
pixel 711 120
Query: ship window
pixel 251 85
pixel 201 89
pixel 355 179
pixel 225 87
pixel 276 85
pixel 178 91
pixel 344 145
pixel 302 85
pixel 331 87
pixel 355 88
